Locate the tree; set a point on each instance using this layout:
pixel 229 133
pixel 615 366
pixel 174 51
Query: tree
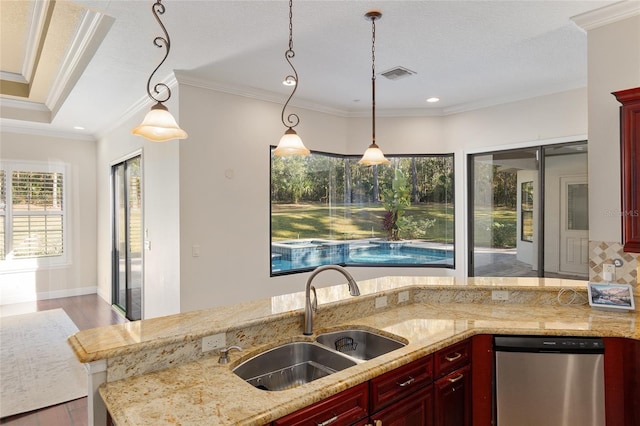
pixel 396 199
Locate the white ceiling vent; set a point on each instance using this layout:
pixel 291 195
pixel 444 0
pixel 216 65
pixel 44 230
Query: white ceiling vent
pixel 397 73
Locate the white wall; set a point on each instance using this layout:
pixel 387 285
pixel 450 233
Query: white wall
pixel 79 277
pixel 161 215
pixel 614 64
pixel 224 178
pixel 556 118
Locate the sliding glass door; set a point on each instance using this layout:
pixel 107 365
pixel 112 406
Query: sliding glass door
pixel 528 212
pixel 127 237
pixel 505 197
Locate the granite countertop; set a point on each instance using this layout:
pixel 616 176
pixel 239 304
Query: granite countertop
pixel 439 313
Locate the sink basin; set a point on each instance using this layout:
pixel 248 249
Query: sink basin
pixel 359 344
pixel 291 365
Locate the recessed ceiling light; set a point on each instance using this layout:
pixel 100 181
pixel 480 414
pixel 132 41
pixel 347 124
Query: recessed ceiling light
pixel 289 81
pixel 78 127
pixel 432 100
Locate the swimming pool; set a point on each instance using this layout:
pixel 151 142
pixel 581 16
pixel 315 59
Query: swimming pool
pixel 312 254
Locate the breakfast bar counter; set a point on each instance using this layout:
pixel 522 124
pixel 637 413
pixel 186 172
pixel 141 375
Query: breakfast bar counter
pixel 154 371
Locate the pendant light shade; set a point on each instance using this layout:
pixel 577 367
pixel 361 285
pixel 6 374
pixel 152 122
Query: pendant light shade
pixel 290 144
pixel 373 155
pixel 159 125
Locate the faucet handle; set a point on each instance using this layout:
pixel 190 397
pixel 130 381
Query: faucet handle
pixel 224 354
pixel 314 304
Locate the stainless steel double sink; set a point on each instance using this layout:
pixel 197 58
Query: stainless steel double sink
pixel 294 364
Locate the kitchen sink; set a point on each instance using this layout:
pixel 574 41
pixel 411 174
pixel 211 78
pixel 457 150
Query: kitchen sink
pixel 359 344
pixel 291 365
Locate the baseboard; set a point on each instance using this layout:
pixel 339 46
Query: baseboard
pixel 57 294
pixel 45 295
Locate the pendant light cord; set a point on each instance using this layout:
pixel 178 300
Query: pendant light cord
pixel 373 80
pixel 292 119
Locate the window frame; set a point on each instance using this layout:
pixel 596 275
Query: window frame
pixel 10 264
pixel 351 157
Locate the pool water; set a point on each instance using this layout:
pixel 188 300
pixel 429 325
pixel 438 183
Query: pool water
pixel 373 254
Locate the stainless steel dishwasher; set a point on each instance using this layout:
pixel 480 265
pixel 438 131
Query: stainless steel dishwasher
pixel 550 381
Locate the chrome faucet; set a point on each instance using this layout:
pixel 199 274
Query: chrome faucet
pixel 309 307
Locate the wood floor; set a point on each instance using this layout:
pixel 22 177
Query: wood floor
pixel 88 311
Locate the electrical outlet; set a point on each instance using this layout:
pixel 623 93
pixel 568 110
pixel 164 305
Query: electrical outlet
pixel 500 295
pixel 214 341
pixel 403 296
pixel 381 302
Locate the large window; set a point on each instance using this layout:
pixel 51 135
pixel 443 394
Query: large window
pixel 32 214
pixel 328 209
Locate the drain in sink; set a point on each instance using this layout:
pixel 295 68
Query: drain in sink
pixel 346 344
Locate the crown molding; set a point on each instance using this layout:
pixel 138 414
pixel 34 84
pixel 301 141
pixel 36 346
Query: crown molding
pixel 92 30
pixel 35 129
pixel 253 93
pixel 12 76
pixel 607 15
pixel 40 14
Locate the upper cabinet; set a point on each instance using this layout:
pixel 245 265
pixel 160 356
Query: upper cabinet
pixel 630 167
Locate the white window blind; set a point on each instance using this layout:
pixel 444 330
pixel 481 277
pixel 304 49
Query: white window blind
pixel 32 212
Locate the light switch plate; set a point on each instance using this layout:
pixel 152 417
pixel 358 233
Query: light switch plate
pixel 381 302
pixel 403 296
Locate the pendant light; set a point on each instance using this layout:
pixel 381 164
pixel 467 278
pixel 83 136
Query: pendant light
pixel 159 125
pixel 373 155
pixel 290 143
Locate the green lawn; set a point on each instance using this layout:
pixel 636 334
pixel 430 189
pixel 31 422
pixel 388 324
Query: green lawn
pixel 495 228
pixel 319 221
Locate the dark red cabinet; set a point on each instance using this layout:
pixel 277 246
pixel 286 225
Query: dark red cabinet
pixel 453 398
pixel 630 167
pixel 452 388
pixel 342 409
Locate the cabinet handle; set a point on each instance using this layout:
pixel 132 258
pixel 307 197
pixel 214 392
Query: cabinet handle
pixel 328 421
pixel 407 383
pixel 453 357
pixel 455 379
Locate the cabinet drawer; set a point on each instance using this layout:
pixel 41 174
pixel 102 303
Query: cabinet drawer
pixel 400 382
pixel 344 408
pixel 449 359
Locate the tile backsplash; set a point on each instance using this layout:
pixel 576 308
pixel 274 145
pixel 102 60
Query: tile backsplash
pixel 603 252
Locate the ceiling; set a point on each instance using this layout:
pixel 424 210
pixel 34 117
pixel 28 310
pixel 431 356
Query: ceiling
pixel 85 63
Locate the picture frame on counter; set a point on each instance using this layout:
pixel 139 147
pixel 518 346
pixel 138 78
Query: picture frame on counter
pixel 611 296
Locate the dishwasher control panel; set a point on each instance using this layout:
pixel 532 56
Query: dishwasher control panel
pixel 549 344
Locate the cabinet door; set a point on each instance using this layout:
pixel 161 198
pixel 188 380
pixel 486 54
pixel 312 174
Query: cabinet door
pixel 414 410
pixel 630 167
pixel 342 409
pixel 453 398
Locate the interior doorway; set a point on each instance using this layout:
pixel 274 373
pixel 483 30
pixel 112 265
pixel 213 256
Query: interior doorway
pixel 127 263
pixel 528 212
